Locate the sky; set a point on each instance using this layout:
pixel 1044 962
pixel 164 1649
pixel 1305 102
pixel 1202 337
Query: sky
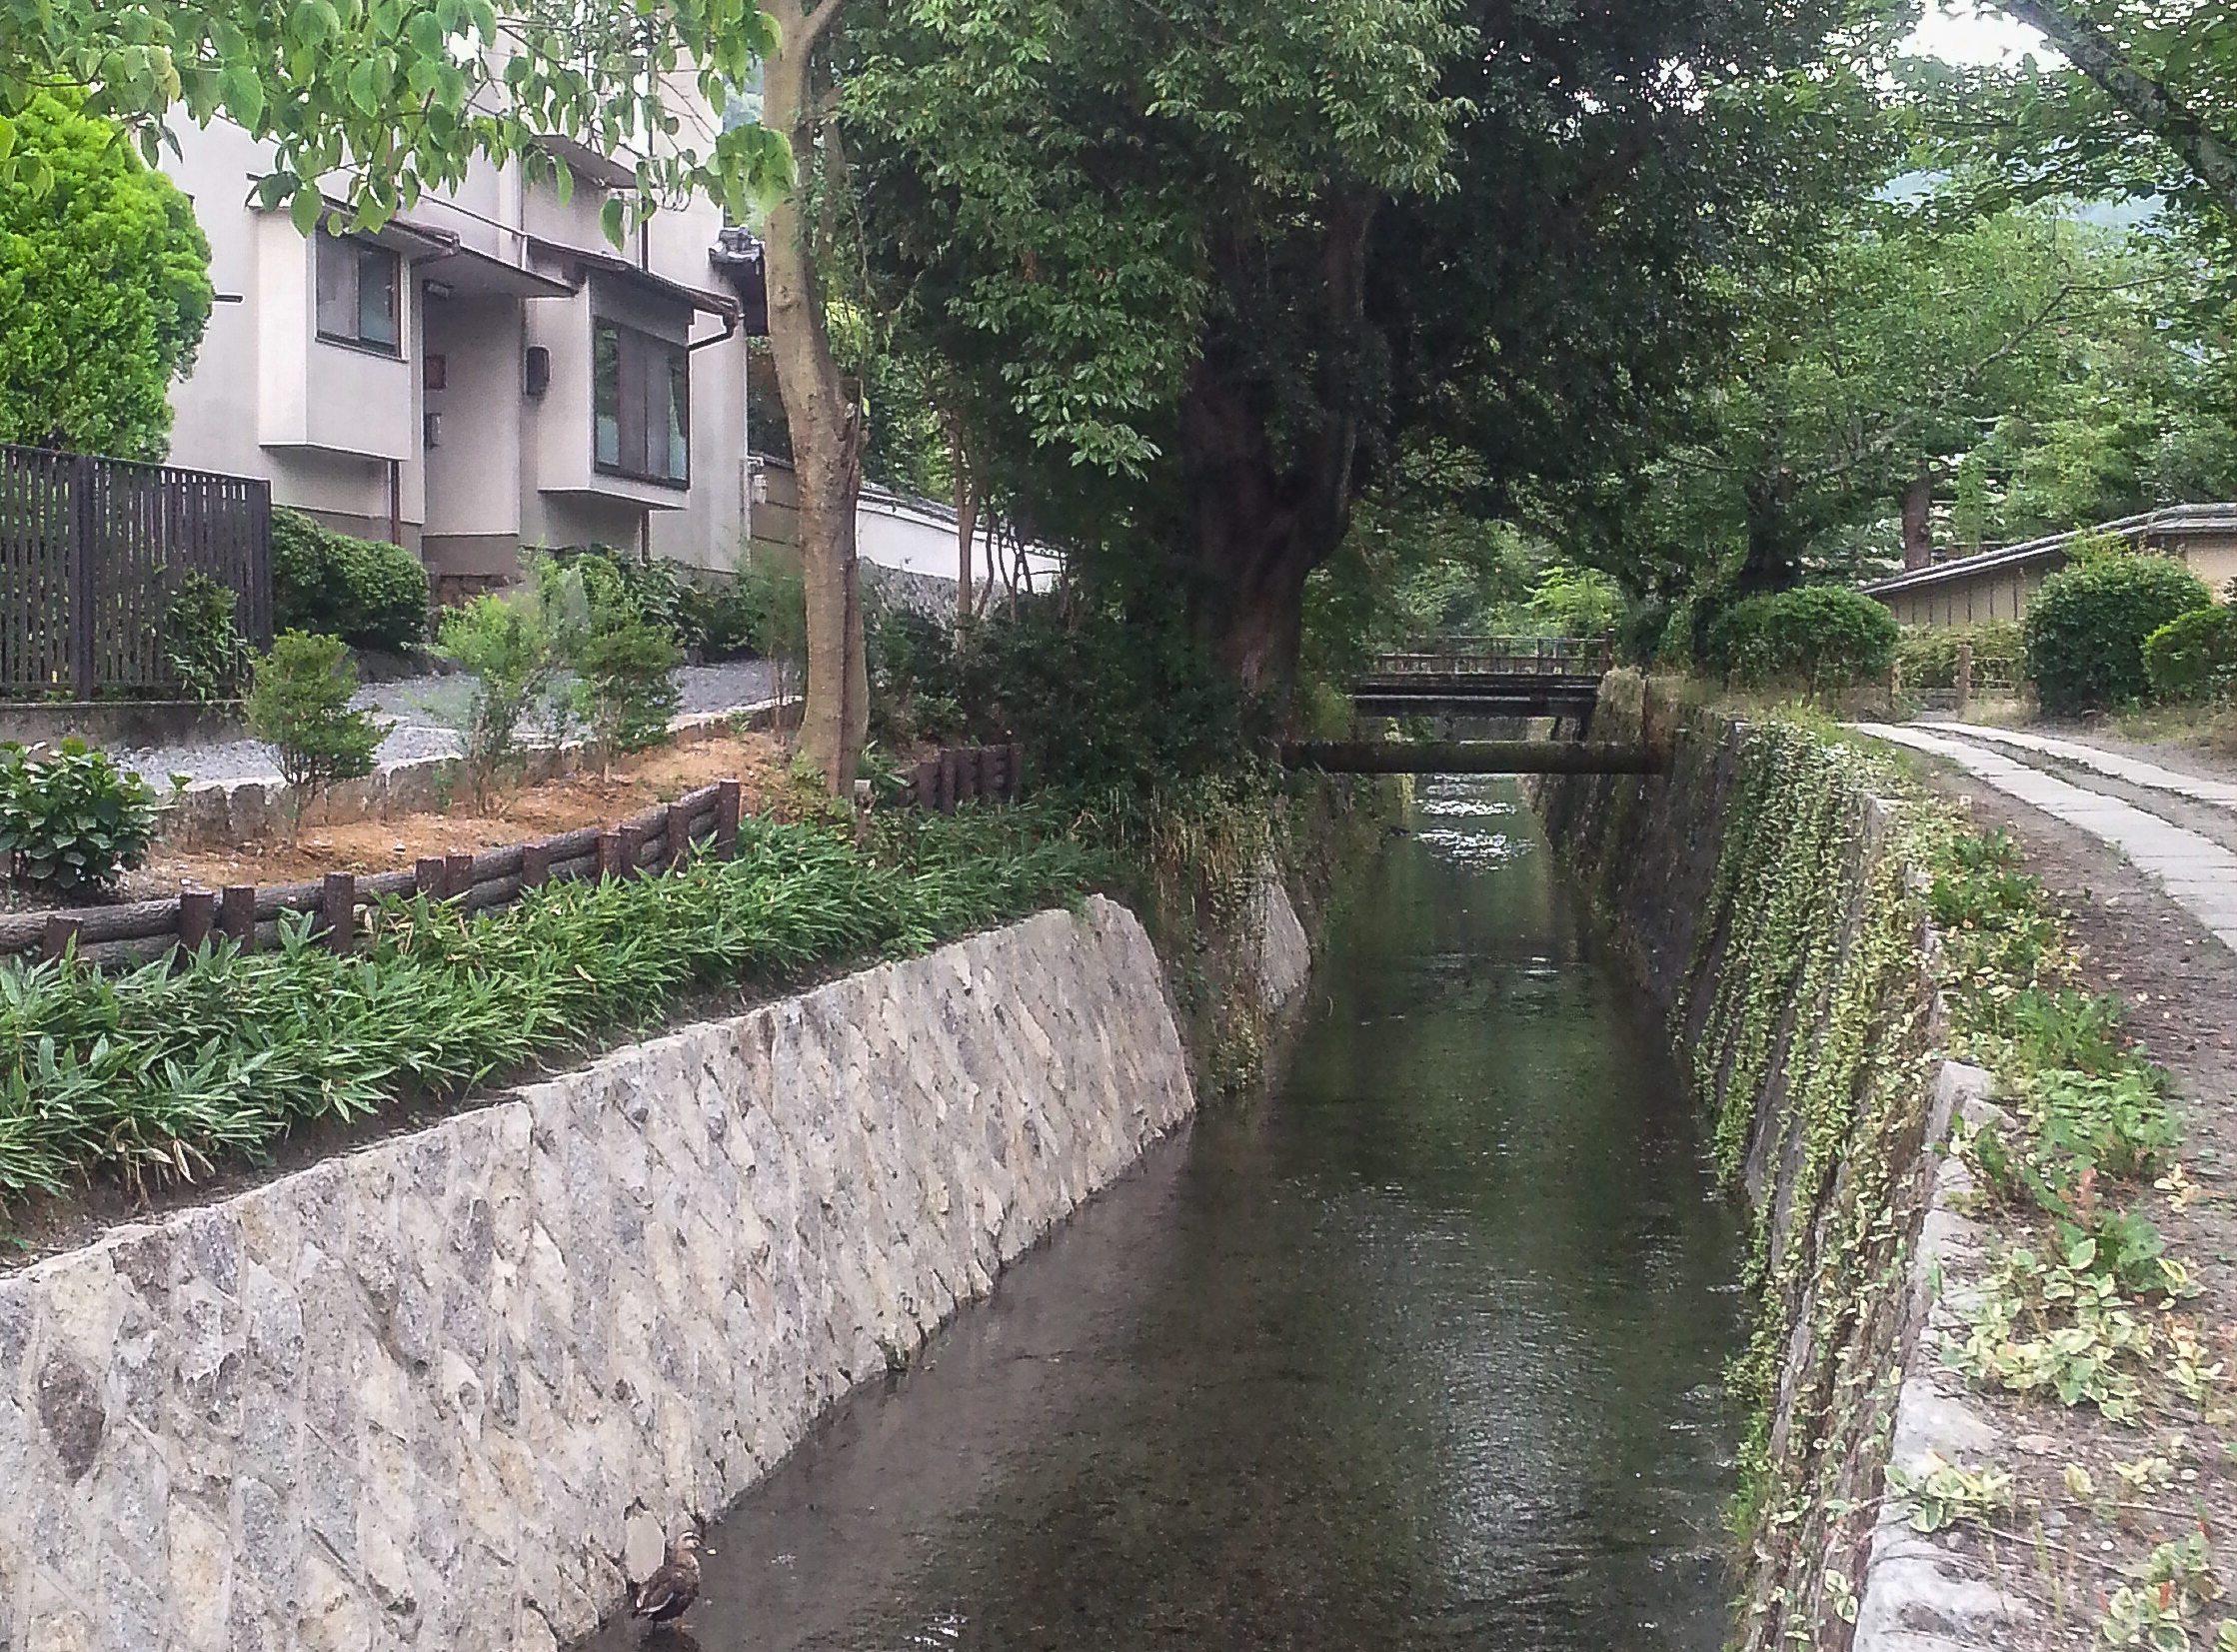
pixel 1967 33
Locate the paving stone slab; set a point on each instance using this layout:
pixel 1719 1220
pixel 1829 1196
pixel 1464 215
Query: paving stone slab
pixel 2198 873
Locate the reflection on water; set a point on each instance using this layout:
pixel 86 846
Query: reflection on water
pixel 1423 1353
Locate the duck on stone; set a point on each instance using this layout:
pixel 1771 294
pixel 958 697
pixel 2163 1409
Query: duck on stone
pixel 668 1594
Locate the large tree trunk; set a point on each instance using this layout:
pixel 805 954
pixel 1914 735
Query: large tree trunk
pixel 1917 501
pixel 1259 519
pixel 1774 557
pixel 826 423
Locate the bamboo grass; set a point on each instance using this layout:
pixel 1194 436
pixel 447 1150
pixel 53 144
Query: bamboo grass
pixel 165 1070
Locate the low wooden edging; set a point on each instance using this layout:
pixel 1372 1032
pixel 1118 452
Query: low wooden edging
pixel 960 774
pixel 251 914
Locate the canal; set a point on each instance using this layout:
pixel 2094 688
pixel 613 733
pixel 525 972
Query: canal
pixel 1421 1352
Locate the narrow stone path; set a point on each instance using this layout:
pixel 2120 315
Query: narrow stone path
pixel 2197 787
pixel 2198 873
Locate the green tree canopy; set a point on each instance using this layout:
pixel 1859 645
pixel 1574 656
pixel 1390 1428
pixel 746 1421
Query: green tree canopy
pixel 104 289
pixel 1201 275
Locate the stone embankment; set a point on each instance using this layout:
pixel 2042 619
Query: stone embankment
pixel 1767 906
pixel 416 1396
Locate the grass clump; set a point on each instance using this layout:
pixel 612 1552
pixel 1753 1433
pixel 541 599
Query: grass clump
pixel 162 1072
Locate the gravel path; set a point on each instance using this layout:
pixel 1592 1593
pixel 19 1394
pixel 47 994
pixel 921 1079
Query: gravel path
pixel 417 705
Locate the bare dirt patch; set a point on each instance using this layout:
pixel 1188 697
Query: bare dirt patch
pixel 2067 1556
pixel 562 804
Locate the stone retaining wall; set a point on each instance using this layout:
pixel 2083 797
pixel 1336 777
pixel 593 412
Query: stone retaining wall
pixel 416 1396
pixel 1844 1317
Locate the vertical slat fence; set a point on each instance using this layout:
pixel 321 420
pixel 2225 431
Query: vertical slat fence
pixel 91 553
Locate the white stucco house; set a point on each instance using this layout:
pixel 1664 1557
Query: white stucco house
pixel 486 371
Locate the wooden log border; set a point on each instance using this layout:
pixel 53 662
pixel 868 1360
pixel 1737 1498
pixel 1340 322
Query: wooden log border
pixel 658 840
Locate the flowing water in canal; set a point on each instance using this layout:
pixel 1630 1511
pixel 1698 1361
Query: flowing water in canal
pixel 1422 1352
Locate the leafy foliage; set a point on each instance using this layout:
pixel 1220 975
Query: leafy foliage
pixel 382 103
pixel 300 707
pixel 627 667
pixel 207 658
pixel 1941 1493
pixel 2194 655
pixel 71 820
pixel 371 594
pixel 1927 654
pixel 2087 626
pixel 508 645
pixel 104 282
pixel 1113 699
pixel 1820 637
pixel 185 1062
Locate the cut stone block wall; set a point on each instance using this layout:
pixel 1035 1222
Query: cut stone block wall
pixel 415 1396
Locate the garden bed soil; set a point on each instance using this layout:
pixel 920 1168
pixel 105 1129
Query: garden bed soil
pixel 556 805
pixel 2181 987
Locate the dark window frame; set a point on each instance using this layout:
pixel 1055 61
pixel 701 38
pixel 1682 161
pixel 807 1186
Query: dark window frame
pixel 360 253
pixel 624 360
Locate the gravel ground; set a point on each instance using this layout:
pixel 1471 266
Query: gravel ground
pixel 417 705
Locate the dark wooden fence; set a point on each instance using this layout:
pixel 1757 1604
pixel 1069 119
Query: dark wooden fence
pixel 650 841
pixel 959 774
pixel 91 551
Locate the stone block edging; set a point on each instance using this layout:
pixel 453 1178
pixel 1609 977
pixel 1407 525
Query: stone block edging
pixel 226 813
pixel 1916 1595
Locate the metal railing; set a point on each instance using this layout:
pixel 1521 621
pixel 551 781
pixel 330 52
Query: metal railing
pixel 1499 656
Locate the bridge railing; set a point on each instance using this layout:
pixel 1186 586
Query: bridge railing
pixel 1500 655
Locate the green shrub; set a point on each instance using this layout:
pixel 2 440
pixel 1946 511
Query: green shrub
pixel 772 602
pixel 2193 657
pixel 300 707
pixel 627 667
pixel 1820 638
pixel 2086 628
pixel 507 642
pixel 207 658
pixel 653 591
pixel 371 594
pixel 72 820
pixel 1927 654
pixel 1106 697
pixel 104 285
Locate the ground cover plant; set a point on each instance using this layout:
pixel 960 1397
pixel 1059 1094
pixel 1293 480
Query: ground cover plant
pixel 164 1071
pixel 71 820
pixel 1834 864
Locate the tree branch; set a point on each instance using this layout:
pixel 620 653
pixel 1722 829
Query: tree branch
pixel 2147 102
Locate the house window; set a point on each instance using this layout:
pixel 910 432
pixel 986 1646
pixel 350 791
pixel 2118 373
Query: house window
pixel 357 294
pixel 641 402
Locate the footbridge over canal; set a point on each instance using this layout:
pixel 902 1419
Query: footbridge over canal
pixel 1485 677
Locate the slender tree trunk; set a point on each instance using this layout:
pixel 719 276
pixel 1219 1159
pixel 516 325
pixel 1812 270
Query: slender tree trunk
pixel 967 529
pixel 1917 501
pixel 824 418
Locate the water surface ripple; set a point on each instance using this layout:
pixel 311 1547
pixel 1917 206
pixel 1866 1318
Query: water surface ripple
pixel 1421 1354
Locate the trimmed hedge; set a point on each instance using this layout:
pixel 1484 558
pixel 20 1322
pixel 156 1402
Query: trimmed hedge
pixel 1822 638
pixel 2195 657
pixel 371 596
pixel 2087 626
